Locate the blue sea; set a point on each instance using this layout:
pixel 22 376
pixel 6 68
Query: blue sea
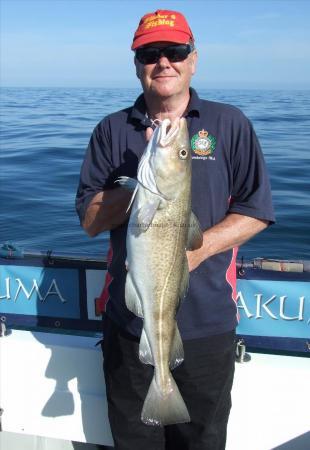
pixel 44 135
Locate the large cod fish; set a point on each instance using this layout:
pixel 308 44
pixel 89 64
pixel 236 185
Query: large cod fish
pixel 161 228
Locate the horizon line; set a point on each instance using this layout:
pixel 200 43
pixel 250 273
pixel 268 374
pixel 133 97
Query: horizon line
pixel 249 88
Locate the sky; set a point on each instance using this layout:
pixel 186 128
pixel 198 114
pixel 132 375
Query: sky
pixel 86 43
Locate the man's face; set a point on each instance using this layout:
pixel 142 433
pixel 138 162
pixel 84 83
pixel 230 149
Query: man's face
pixel 165 78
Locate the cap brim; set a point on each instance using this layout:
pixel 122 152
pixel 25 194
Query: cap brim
pixel 178 37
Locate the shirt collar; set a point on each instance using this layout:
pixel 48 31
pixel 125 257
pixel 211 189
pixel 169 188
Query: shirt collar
pixel 194 105
pixel 138 111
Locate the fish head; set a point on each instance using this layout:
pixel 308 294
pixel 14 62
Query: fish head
pixel 171 159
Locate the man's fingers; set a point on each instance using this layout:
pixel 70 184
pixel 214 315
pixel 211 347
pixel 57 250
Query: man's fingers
pixel 148 133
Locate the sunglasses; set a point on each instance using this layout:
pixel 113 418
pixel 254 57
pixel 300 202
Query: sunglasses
pixel 175 53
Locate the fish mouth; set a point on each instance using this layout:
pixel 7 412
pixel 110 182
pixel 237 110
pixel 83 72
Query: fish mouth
pixel 164 137
pixel 168 131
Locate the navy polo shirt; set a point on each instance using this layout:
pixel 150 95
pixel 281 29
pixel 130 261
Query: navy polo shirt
pixel 229 176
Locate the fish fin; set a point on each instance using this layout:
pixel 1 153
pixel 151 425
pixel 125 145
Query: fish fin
pixel 147 212
pixel 127 183
pixel 177 351
pixel 145 352
pixel 131 185
pixel 133 302
pixel 185 280
pixel 132 197
pixel 164 409
pixel 195 236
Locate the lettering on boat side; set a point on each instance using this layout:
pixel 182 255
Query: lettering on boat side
pixel 274 308
pixel 39 291
pixel 263 305
pixel 19 286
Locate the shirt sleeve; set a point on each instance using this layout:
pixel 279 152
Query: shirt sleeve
pixel 96 169
pixel 251 193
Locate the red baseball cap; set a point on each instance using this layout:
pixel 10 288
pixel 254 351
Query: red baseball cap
pixel 162 25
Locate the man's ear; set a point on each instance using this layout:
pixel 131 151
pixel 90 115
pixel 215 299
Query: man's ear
pixel 194 59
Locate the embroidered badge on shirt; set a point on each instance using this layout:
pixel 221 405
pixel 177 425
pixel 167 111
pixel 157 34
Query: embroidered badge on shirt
pixel 203 144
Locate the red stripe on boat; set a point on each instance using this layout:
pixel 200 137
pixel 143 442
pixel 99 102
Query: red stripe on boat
pixel 231 274
pixel 231 277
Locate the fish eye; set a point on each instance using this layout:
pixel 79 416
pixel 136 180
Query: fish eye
pixel 183 153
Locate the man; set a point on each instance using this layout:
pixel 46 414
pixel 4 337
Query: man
pixel 231 198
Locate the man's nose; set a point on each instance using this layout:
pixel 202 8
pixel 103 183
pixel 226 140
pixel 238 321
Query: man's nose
pixel 163 61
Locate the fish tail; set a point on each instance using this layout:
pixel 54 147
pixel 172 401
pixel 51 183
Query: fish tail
pixel 164 409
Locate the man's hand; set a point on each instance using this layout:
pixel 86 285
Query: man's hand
pixel 106 211
pixel 231 232
pixel 194 258
pixel 148 133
